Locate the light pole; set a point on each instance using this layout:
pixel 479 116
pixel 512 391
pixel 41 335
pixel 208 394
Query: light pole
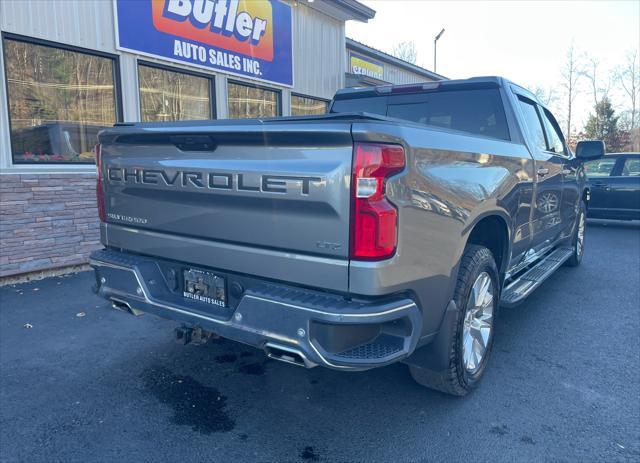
pixel 435 48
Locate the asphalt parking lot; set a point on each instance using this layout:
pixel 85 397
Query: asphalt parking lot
pixel 82 382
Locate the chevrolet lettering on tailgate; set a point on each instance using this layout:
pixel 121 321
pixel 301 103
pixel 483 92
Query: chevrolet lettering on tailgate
pixel 214 180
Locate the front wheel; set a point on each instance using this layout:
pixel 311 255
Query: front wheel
pixel 577 242
pixel 476 297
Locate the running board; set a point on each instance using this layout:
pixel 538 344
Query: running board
pixel 524 285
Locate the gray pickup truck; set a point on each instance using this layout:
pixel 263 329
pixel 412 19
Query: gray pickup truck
pixel 390 229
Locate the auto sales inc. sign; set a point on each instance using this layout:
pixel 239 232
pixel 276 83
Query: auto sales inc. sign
pixel 250 38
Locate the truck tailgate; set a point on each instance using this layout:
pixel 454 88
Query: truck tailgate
pixel 277 187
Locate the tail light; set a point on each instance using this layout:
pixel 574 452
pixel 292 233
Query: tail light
pixel 99 185
pixel 374 220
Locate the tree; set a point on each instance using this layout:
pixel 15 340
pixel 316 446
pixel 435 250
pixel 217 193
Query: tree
pixel 603 125
pixel 629 78
pixel 406 51
pixel 598 90
pixel 570 75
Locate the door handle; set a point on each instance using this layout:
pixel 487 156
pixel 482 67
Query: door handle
pixel 542 171
pixel 604 186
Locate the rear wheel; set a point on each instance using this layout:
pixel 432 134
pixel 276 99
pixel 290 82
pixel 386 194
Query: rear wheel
pixel 476 297
pixel 578 237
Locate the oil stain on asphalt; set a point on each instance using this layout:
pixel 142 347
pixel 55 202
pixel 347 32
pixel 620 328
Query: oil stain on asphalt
pixel 226 358
pixel 500 430
pixel 308 454
pixel 256 369
pixel 201 407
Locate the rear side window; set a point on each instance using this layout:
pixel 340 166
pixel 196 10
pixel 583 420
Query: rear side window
pixel 478 111
pixel 599 167
pixel 631 167
pixel 553 131
pixel 534 125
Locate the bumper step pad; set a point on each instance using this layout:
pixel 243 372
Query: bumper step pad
pixel 383 346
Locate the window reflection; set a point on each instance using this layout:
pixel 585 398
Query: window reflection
pixel 172 96
pixel 599 167
pixel 58 102
pixel 305 106
pixel 247 102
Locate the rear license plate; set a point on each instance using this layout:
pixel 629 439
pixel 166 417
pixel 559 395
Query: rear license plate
pixel 205 287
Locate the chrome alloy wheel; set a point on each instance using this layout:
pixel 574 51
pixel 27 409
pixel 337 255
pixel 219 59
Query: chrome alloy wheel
pixel 478 323
pixel 580 240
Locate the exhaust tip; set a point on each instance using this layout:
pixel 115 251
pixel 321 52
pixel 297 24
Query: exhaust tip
pixel 119 304
pixel 287 355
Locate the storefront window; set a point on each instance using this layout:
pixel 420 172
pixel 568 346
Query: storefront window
pixel 173 96
pixel 247 101
pixel 58 102
pixel 305 106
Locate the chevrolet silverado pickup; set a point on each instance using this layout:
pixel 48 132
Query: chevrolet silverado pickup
pixel 390 229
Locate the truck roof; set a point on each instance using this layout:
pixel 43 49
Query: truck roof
pixel 472 82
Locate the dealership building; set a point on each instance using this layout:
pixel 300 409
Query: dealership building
pixel 72 67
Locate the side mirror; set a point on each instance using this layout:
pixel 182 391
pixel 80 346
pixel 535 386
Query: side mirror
pixel 590 149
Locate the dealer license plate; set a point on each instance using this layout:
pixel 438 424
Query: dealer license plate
pixel 205 287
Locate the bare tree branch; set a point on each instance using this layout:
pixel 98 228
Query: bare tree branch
pixel 406 51
pixel 547 96
pixel 629 78
pixel 598 91
pixel 571 74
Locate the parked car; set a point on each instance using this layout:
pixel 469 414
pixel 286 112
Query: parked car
pixel 56 141
pixel 388 230
pixel 614 183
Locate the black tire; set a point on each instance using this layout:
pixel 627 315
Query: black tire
pixel 456 379
pixel 578 252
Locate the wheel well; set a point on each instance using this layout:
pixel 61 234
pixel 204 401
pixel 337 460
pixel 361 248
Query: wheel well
pixel 492 233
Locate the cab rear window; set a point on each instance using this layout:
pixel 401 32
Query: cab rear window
pixel 476 111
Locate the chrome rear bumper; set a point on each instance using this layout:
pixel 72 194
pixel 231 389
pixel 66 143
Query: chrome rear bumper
pixel 320 329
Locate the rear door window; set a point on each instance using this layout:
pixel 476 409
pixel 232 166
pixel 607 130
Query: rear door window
pixel 534 124
pixel 631 167
pixel 599 167
pixel 554 135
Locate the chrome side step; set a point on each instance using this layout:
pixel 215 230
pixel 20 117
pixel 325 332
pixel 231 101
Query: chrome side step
pixel 516 291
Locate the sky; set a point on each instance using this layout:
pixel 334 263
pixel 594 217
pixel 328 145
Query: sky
pixel 525 41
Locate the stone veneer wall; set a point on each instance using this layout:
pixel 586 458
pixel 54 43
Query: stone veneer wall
pixel 46 221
